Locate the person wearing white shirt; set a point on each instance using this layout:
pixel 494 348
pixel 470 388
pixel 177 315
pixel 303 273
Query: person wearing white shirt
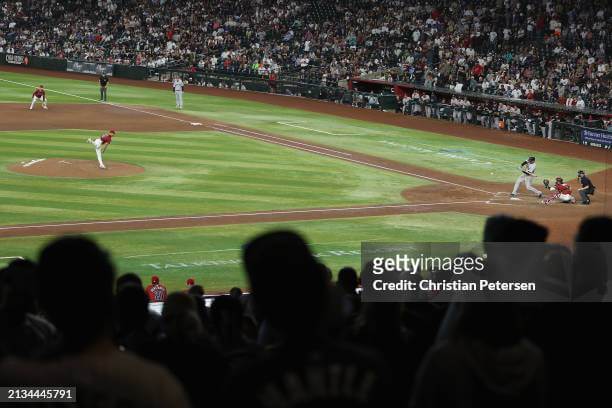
pixel 425 100
pixel 416 106
pixel 527 168
pixel 177 87
pixel 580 103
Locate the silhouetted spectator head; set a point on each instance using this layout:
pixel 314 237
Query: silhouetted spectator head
pixel 226 318
pixel 347 280
pixel 196 290
pixel 132 307
pixel 128 279
pixel 235 292
pixel 18 289
pixel 76 280
pixel 289 287
pixel 180 318
pixel 327 273
pixel 595 229
pixel 502 228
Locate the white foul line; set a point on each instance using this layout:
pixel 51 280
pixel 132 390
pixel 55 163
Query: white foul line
pixel 116 105
pixel 292 124
pixel 11 257
pixel 241 132
pixel 246 214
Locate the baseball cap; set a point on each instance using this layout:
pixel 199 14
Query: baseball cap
pixel 111 131
pixel 190 282
pixel 155 279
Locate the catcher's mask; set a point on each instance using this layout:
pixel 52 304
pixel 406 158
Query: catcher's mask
pixel 559 180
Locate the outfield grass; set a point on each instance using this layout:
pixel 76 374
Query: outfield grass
pixel 430 150
pixel 177 254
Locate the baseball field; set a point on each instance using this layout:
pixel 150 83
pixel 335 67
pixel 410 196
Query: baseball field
pixel 185 189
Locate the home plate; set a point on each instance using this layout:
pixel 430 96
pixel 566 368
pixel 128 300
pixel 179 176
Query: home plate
pixel 195 124
pixel 515 198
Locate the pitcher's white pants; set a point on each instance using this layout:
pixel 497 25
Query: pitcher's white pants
pixel 523 178
pixel 98 146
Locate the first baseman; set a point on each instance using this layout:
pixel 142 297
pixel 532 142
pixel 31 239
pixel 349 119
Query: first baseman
pixel 40 96
pixel 101 144
pixel 177 87
pixel 527 169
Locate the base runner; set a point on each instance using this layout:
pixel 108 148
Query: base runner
pixel 562 192
pixel 101 144
pixel 40 96
pixel 527 169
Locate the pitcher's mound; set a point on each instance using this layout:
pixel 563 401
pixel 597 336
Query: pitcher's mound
pixel 85 169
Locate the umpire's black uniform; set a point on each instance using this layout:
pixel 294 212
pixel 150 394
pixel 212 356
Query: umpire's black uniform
pixel 103 82
pixel 587 188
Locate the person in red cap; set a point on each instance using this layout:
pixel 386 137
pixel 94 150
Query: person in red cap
pixel 156 291
pixel 101 144
pixel 190 283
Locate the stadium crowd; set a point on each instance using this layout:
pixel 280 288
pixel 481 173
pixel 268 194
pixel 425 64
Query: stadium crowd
pixel 298 339
pixel 554 51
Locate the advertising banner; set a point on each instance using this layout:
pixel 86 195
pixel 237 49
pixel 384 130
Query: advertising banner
pixel 96 68
pixel 596 138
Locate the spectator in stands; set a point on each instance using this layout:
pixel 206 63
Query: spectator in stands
pixel 274 262
pixel 466 369
pixel 187 351
pixel 25 332
pixel 136 330
pixel 87 358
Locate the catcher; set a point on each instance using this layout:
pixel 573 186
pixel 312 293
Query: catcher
pixel 561 191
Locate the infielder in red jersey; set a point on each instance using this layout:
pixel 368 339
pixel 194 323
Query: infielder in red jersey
pixel 561 191
pixel 156 291
pixel 40 96
pixel 101 144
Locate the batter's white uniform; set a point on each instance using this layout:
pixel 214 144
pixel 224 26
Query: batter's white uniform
pixel 526 178
pixel 177 86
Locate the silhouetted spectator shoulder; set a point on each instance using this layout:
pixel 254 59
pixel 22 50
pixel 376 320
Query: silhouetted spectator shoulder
pixel 87 357
pixel 464 373
pixel 104 377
